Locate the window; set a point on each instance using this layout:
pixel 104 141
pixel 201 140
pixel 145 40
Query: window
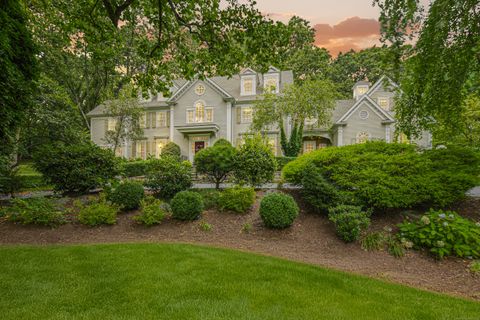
pixel 308 146
pixel 200 89
pixel 384 103
pixel 190 115
pixel 159 144
pixel 199 112
pixel 247 87
pixel 363 137
pixel 111 124
pixel 143 120
pixel 247 114
pixel 141 149
pixel 209 114
pixel 362 90
pixel 151 121
pixel 363 114
pixel 161 119
pixel 271 85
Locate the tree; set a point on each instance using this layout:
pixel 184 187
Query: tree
pixel 168 176
pixel 310 62
pixel 18 71
pixel 216 161
pixel 126 112
pixel 254 162
pixel 443 68
pixel 298 102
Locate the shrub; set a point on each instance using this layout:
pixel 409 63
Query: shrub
pixel 10 180
pixel 236 199
pixel 443 233
pixel 222 142
pixel 40 211
pixel 349 221
pixel 172 149
pixel 205 226
pixel 389 175
pixel 134 168
pixel 187 205
pixel 127 195
pixel 75 168
pixel 373 241
pixel 210 197
pixel 97 212
pixel 254 162
pixel 282 161
pixel 216 162
pixel 278 210
pixel 168 176
pixel 151 211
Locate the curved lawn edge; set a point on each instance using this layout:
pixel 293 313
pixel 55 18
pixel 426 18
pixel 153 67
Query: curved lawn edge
pixel 179 281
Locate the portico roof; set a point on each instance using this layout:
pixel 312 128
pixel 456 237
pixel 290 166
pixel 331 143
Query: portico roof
pixel 197 129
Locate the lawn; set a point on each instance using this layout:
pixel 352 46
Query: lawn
pixel 176 281
pixel 32 179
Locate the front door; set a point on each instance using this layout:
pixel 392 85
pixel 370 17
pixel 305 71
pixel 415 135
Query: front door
pixel 199 145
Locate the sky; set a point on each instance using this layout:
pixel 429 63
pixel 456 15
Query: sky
pixel 340 25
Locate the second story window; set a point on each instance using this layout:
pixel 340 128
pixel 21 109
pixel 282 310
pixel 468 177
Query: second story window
pixel 247 115
pixel 384 103
pixel 248 85
pixel 200 113
pixel 111 124
pixel 161 119
pixel 362 90
pixel 271 85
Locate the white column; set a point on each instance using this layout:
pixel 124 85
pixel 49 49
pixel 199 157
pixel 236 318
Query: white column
pixel 171 123
pixel 340 136
pixel 125 150
pixel 387 133
pixel 229 121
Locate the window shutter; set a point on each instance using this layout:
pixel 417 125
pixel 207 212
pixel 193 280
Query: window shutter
pixel 239 115
pixel 154 119
pixel 106 125
pixel 168 118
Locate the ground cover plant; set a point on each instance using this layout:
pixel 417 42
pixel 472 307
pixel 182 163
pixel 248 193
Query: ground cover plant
pixel 39 211
pixel 151 211
pixel 96 212
pixel 177 281
pixel 278 210
pixel 391 175
pixel 237 199
pixel 187 205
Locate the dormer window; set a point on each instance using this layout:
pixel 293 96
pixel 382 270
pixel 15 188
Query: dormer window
pixel 384 103
pixel 362 90
pixel 271 84
pixel 248 86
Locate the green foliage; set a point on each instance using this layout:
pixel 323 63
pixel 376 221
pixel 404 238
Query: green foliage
pixel 237 199
pixel 187 205
pixel 75 168
pixel 373 241
pixel 395 247
pixel 475 267
pixel 216 161
pixel 205 226
pixel 134 168
pixel 388 175
pixel 247 227
pixel 97 212
pixel 223 142
pixel 127 195
pixel 210 197
pixel 308 99
pixel 278 210
pixel 10 180
pixel 350 221
pixel 443 233
pixel 19 69
pixel 167 176
pixel 39 211
pixel 151 211
pixel 254 162
pixel 282 161
pixel 171 150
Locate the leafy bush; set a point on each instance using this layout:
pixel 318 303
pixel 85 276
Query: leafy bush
pixel 40 211
pixel 151 211
pixel 278 210
pixel 127 195
pixel 444 233
pixel 236 199
pixel 10 180
pixel 134 168
pixel 216 161
pixel 282 161
pixel 168 176
pixel 349 221
pixel 373 241
pixel 210 197
pixel 76 168
pixel 205 226
pixel 97 212
pixel 187 205
pixel 171 149
pixel 389 175
pixel 254 162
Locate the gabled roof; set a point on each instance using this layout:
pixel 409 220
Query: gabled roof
pixel 373 104
pixel 187 85
pixel 272 69
pixel 247 71
pixel 380 81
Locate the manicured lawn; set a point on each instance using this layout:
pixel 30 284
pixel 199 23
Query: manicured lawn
pixel 32 179
pixel 174 281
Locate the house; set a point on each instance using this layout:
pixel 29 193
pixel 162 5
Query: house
pixel 199 112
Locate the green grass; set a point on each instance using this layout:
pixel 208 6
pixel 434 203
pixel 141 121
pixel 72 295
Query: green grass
pixel 32 179
pixel 175 281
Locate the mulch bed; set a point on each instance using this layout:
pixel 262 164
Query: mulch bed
pixel 311 239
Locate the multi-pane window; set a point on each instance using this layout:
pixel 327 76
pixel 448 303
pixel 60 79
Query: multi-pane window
pixel 111 124
pixel 247 114
pixel 151 120
pixel 248 86
pixel 200 113
pixel 209 114
pixel 271 85
pixel 159 144
pixel 362 90
pixel 383 103
pixel 161 119
pixel 308 146
pixel 363 137
pixel 141 149
pixel 143 120
pixel 190 116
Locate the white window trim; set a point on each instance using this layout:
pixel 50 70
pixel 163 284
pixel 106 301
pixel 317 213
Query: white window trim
pixel 162 124
pixel 276 78
pixel 206 111
pixel 254 85
pixel 186 115
pixel 242 118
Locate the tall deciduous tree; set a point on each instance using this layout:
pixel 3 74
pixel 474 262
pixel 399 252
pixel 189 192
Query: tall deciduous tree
pixel 297 102
pixel 443 69
pixel 18 70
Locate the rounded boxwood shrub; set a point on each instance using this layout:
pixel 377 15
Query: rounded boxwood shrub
pixel 172 149
pixel 127 195
pixel 187 205
pixel 237 199
pixel 278 210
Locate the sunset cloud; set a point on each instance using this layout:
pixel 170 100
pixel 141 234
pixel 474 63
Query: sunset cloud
pixel 352 33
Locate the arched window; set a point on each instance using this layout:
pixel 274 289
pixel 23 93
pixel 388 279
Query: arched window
pixel 199 111
pixel 363 137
